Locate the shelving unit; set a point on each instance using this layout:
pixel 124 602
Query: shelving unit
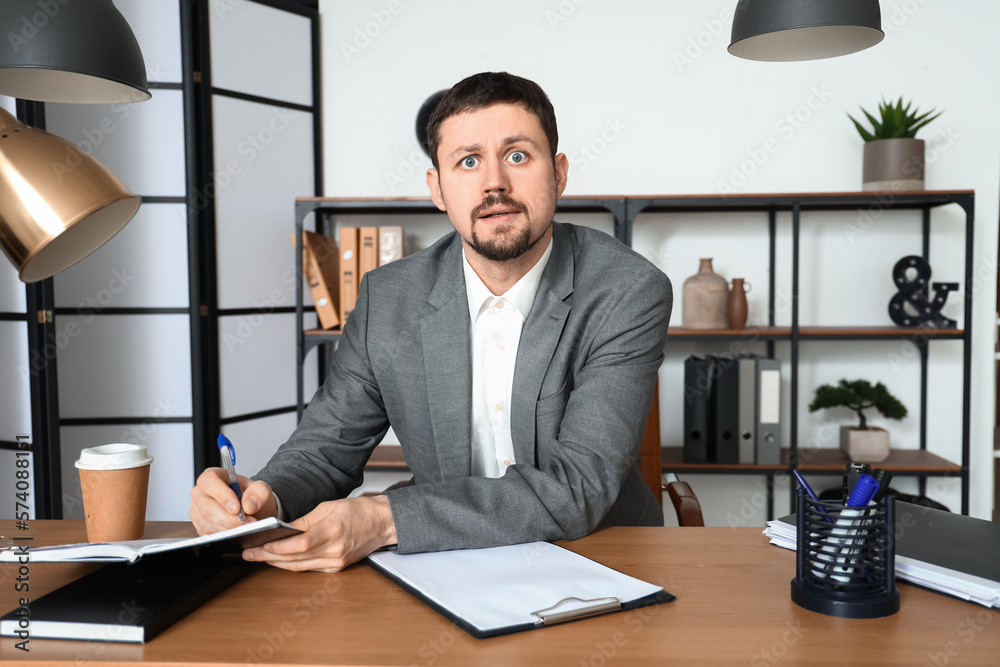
pixel 918 463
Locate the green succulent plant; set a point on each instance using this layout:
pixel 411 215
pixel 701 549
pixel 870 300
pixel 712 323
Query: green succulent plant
pixel 897 121
pixel 858 395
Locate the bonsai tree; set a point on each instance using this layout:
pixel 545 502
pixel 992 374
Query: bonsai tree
pixel 858 395
pixel 897 121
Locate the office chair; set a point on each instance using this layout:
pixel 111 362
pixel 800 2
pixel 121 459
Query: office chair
pixel 684 500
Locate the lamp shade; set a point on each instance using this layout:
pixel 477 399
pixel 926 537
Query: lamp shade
pixel 57 204
pixel 783 30
pixel 79 51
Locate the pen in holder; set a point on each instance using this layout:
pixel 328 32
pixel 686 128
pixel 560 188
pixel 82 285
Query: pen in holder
pixel 845 558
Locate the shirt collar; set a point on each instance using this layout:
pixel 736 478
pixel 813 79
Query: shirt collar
pixel 521 294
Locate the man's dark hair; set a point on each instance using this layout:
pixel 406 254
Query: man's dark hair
pixel 486 89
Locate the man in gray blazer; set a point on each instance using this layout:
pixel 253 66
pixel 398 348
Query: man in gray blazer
pixel 515 360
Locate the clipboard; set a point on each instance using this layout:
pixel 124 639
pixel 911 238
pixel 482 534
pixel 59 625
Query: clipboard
pixel 502 590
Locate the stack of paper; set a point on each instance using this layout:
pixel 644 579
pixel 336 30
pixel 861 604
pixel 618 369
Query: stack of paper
pixel 944 552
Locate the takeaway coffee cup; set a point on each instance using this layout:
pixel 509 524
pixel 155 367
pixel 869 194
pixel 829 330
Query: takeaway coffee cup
pixel 114 480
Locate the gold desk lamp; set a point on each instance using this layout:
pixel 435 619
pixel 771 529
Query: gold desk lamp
pixel 58 204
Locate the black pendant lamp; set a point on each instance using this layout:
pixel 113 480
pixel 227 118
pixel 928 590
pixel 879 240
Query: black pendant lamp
pixel 77 51
pixel 785 30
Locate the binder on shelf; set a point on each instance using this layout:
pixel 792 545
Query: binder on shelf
pixel 698 436
pixel 390 244
pixel 472 587
pixel 724 410
pixel 368 238
pixel 348 271
pixel 747 401
pixel 768 411
pixel 321 270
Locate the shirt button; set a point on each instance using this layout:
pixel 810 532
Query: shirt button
pixel 499 407
pixel 499 304
pixel 501 347
pixel 506 462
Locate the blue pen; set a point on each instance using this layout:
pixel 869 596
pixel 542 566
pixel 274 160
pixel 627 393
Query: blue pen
pixel 228 455
pixel 848 526
pixel 812 494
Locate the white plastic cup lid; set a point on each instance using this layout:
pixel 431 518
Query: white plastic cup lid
pixel 118 456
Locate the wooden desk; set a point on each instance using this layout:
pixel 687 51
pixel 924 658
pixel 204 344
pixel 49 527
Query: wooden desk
pixel 733 608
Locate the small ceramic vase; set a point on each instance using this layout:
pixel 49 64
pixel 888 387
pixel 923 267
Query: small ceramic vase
pixel 736 310
pixel 705 298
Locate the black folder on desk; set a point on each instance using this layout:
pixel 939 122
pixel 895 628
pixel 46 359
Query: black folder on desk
pixel 501 590
pixel 127 602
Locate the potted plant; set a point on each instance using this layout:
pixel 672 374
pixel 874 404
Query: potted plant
pixel 893 157
pixel 862 442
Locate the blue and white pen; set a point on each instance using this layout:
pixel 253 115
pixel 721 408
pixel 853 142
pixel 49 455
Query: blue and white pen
pixel 228 455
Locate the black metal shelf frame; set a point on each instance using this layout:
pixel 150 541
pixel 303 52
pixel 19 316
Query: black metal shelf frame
pixel 627 209
pixel 796 205
pixel 324 209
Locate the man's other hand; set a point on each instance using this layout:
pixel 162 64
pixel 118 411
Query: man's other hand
pixel 214 506
pixel 337 533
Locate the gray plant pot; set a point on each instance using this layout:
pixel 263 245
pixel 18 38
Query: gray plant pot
pixel 865 446
pixel 893 164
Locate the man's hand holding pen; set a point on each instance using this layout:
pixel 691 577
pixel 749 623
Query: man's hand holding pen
pixel 215 506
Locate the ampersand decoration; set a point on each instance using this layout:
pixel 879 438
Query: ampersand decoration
pixel 912 292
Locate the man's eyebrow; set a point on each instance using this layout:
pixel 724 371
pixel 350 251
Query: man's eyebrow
pixel 477 148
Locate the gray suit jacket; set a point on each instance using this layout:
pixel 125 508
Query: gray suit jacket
pixel 583 385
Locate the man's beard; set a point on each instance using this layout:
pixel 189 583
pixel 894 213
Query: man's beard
pixel 505 243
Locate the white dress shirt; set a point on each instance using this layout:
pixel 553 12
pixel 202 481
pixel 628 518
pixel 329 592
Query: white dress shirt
pixel 495 333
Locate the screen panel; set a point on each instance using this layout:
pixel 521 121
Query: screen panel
pixel 256 362
pixel 266 154
pixel 157 27
pixel 124 365
pixel 261 51
pixel 144 266
pixel 15 369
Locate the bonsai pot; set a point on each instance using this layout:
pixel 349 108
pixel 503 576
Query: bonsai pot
pixel 868 445
pixel 893 164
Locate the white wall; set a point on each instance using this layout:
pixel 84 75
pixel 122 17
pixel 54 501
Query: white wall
pixel 649 101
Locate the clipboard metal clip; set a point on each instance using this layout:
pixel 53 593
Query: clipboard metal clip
pixel 578 608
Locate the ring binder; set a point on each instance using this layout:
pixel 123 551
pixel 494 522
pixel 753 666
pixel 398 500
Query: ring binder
pixel 595 607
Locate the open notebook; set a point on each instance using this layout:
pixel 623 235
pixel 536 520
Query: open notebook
pixel 500 590
pixel 233 540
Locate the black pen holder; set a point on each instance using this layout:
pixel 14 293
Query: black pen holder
pixel 845 558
